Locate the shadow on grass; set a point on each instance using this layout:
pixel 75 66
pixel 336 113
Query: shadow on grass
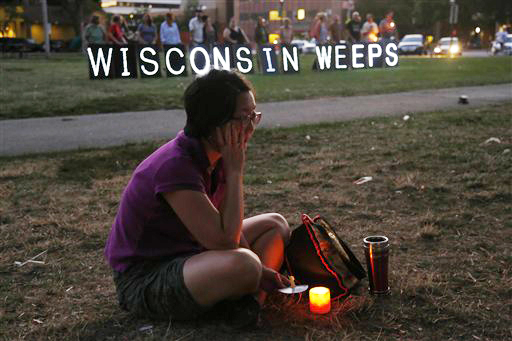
pixel 85 167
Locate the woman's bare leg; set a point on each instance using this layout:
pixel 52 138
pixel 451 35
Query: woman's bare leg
pixel 267 235
pixel 213 276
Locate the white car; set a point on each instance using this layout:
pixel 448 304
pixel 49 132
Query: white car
pixel 504 47
pixel 411 44
pixel 449 46
pixel 305 46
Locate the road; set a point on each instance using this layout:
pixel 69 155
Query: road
pixel 40 135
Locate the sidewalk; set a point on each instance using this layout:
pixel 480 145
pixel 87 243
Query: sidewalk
pixel 50 134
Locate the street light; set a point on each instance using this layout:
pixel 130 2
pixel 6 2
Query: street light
pixel 477 30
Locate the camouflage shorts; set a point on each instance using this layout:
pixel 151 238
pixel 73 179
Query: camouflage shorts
pixel 156 290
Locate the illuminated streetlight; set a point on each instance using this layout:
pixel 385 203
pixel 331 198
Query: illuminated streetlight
pixel 477 30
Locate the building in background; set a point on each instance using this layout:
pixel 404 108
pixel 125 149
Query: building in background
pixel 11 23
pixel 300 12
pixel 26 22
pixel 135 7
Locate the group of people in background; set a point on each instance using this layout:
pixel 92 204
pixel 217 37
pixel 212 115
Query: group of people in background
pixel 202 31
pixel 369 31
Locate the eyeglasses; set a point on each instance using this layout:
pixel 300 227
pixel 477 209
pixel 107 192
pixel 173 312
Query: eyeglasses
pixel 254 117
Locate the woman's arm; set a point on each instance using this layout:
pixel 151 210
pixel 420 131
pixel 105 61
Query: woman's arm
pixel 247 41
pixel 227 37
pixel 162 28
pixel 155 35
pixel 87 33
pixel 113 39
pixel 177 33
pixel 138 35
pixel 212 228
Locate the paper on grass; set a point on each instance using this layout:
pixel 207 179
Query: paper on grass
pixel 298 289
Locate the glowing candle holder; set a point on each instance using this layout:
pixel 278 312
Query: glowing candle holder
pixel 319 300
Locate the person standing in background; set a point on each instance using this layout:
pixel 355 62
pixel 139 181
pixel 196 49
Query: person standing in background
pixel 324 30
pixel 115 33
pixel 319 29
pixel 146 31
pixel 169 31
pixel 116 36
pixel 209 32
pixel 195 27
pixel 354 28
pixel 370 30
pixel 233 34
pixel 286 31
pixel 128 34
pixel 94 33
pixel 260 32
pixel 335 30
pixel 387 27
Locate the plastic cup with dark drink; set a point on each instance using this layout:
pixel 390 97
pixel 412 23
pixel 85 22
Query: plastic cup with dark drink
pixel 376 251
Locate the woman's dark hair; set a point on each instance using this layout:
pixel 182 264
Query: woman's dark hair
pixel 150 20
pixel 210 101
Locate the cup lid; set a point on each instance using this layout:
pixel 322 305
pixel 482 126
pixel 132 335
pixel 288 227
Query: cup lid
pixel 376 240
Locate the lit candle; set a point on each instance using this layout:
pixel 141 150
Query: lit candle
pixel 320 300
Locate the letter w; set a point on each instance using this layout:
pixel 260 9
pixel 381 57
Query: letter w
pixel 100 58
pixel 324 56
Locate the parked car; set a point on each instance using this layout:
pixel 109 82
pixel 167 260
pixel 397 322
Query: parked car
pixel 305 46
pixel 412 44
pixel 57 45
pixel 19 45
pixel 449 46
pixel 504 48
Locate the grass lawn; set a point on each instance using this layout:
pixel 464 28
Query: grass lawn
pixel 439 193
pixel 36 87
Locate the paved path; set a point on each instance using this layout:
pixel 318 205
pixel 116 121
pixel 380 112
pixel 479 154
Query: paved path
pixel 39 135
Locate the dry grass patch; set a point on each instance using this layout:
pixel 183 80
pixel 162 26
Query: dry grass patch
pixel 439 194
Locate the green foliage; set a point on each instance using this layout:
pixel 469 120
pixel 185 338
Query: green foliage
pixel 419 16
pixel 190 11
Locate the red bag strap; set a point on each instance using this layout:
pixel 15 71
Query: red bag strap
pixel 306 219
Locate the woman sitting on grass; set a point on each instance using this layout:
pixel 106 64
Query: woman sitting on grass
pixel 180 244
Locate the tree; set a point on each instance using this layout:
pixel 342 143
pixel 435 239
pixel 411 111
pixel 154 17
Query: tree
pixel 423 16
pixel 190 11
pixel 77 10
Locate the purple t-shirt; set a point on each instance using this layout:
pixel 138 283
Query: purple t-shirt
pixel 146 227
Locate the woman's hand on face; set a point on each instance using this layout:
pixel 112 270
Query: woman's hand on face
pixel 248 133
pixel 230 140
